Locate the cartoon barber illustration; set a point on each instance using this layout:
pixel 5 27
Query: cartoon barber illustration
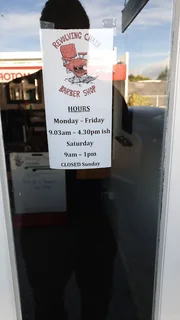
pixel 75 63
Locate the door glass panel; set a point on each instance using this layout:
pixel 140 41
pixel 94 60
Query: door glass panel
pixel 85 240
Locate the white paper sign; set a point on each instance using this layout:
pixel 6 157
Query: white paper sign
pixel 78 96
pixel 37 188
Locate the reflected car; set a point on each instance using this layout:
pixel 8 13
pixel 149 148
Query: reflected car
pixel 135 151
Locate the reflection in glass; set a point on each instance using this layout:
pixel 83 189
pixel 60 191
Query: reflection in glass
pixel 23 89
pixel 94 259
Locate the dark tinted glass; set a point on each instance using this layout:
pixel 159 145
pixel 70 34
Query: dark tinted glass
pixel 85 240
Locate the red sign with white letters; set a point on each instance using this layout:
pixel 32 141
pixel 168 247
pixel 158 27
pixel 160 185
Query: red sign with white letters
pixel 10 73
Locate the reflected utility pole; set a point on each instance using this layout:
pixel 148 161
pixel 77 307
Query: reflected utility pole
pixel 1 34
pixel 1 59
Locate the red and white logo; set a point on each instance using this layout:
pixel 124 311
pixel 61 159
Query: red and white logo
pixel 76 64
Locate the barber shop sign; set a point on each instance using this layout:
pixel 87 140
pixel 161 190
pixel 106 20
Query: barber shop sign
pixel 77 96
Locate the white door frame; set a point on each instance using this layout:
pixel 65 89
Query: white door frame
pixel 167 286
pixel 167 280
pixel 9 289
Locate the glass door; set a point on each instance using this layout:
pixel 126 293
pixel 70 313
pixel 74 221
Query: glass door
pixel 83 127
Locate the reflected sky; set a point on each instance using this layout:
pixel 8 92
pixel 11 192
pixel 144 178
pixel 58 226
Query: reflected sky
pixel 147 39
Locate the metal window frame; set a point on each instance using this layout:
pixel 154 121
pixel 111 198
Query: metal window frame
pixel 167 280
pixel 10 308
